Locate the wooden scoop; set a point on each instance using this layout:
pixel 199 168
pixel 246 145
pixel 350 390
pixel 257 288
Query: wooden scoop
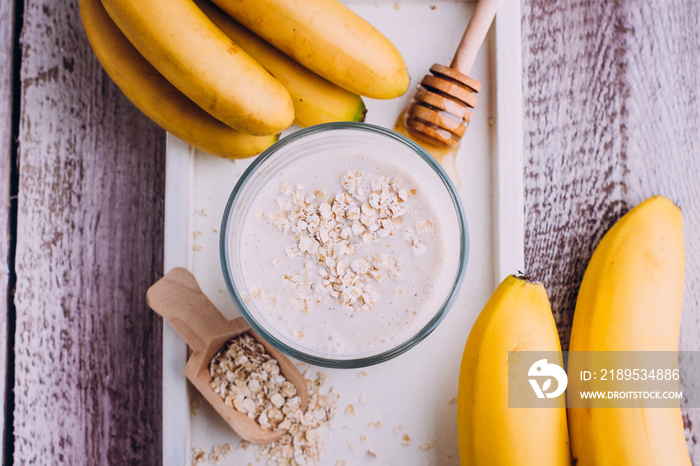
pixel 442 106
pixel 179 299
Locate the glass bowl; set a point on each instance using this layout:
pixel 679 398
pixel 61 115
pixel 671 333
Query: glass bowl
pixel 323 144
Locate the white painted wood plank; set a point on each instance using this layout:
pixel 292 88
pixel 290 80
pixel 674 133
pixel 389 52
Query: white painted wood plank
pixel 509 199
pixel 179 174
pixel 478 162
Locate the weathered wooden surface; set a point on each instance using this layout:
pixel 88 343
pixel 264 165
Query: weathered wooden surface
pixel 611 117
pixel 89 243
pixel 6 77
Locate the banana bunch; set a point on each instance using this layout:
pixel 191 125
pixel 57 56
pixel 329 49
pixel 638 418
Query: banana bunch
pixel 630 300
pixel 200 74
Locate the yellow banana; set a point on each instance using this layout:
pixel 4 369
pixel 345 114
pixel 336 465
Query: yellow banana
pixel 330 40
pixel 316 100
pixel 156 97
pixel 630 300
pixel 517 317
pixel 205 65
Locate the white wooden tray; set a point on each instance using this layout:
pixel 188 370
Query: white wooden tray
pixel 416 390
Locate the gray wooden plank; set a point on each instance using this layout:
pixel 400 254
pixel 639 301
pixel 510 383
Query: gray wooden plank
pixel 663 62
pixel 611 118
pixel 90 242
pixel 7 37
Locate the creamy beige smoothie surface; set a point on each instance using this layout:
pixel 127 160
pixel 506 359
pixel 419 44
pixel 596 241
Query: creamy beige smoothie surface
pixel 344 258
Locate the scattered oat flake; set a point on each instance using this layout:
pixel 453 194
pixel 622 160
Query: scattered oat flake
pixel 215 230
pixel 405 440
pixel 362 374
pixel 197 247
pixel 453 400
pixel 352 444
pixel 195 407
pixel 397 6
pixel 371 453
pixel 198 456
pixel 363 398
pixel 197 234
pixel 204 211
pixel 350 410
pixel 363 438
pixel 219 452
pixel 426 446
pixel 340 463
pixel 398 429
pixel 378 424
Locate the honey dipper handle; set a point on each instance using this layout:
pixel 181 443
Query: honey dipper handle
pixel 179 299
pixel 474 35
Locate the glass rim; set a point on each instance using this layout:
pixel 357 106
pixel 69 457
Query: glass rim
pixel 363 361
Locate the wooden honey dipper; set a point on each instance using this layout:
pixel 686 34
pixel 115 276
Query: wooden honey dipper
pixel 442 106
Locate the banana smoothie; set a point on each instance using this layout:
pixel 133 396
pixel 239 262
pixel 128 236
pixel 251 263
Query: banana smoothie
pixel 346 254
